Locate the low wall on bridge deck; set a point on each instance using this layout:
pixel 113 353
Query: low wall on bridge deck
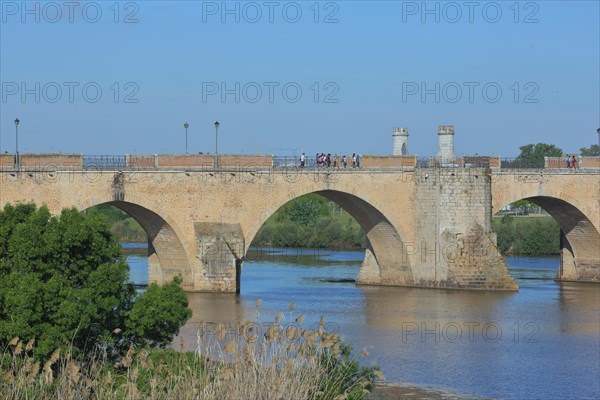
pixel 6 160
pixel 245 161
pixel 46 161
pixel 52 160
pixel 183 160
pixel 388 161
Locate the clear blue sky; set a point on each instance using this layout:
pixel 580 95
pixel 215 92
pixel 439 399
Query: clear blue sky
pixel 374 61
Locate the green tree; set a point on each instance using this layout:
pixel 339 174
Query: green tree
pixel 524 206
pixel 122 225
pixel 157 314
pixel 592 151
pixel 305 210
pixel 532 155
pixel 63 282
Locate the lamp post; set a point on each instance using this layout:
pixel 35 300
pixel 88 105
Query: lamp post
pixel 598 130
pixel 17 161
pixel 217 124
pixel 186 126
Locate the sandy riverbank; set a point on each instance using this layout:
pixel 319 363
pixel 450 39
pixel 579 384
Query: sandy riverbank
pixel 396 390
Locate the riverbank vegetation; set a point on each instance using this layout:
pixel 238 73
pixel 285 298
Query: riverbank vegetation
pixel 63 282
pixel 279 363
pixel 231 362
pixel 72 328
pixel 311 221
pixel 122 225
pixel 533 236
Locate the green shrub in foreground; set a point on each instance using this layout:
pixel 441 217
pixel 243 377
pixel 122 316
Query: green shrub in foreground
pixel 63 284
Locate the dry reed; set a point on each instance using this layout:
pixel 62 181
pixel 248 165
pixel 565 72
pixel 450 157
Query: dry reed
pixel 231 362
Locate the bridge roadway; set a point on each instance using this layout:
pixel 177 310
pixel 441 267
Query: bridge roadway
pixel 426 227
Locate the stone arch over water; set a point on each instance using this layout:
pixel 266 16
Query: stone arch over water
pixel 385 259
pixel 580 239
pixel 167 257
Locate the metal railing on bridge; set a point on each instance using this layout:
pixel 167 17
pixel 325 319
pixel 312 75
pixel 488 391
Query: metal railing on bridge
pixel 454 162
pixel 118 162
pixel 104 162
pixel 520 163
pixel 286 162
pixel 282 162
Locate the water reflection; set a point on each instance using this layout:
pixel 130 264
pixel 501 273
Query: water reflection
pixel 541 342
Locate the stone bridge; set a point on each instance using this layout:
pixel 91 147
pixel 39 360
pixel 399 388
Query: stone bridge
pixel 426 226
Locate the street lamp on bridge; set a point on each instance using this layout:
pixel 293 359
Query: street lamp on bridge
pixel 186 126
pixel 598 130
pixel 17 161
pixel 217 124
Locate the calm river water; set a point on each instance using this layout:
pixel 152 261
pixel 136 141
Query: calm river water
pixel 541 342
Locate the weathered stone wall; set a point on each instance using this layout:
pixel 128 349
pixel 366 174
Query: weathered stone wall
pixel 457 249
pixel 221 249
pixel 426 227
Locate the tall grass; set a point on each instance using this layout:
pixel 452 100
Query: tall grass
pixel 239 361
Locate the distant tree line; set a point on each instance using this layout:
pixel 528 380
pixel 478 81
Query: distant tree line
pixel 122 225
pixel 311 221
pixel 527 235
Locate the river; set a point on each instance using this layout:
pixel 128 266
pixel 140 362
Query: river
pixel 540 342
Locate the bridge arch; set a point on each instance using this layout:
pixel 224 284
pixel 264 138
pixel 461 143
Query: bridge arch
pixel 167 255
pixel 580 239
pixel 385 259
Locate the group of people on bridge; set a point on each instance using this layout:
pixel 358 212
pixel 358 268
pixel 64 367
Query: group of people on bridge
pixel 328 161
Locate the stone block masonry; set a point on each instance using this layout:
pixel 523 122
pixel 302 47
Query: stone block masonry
pixel 426 227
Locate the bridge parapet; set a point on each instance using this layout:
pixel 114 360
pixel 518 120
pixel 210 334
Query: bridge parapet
pixel 229 162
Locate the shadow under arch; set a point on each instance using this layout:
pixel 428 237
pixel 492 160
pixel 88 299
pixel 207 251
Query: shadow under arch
pixel 385 261
pixel 167 257
pixel 580 240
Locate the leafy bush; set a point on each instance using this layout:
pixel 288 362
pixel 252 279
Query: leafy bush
pixel 63 283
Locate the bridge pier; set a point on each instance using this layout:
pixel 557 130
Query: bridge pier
pixel 456 247
pixel 369 271
pixel 220 253
pixel 577 269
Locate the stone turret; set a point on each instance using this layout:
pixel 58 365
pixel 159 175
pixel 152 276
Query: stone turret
pixel 446 142
pixel 400 136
